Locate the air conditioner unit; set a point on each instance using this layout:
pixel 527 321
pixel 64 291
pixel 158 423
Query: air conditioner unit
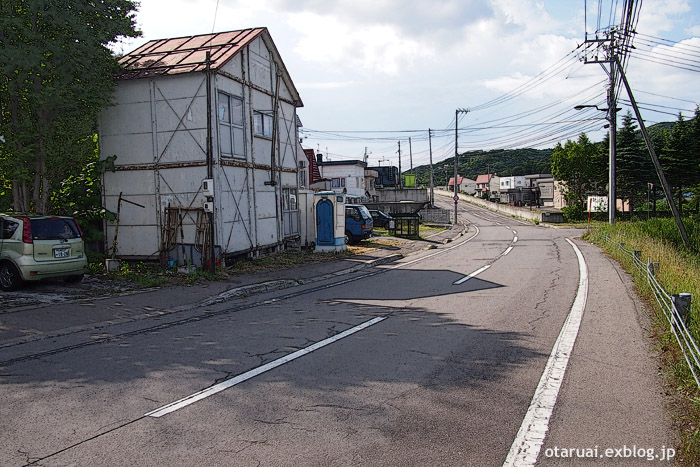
pixel 208 187
pixel 208 207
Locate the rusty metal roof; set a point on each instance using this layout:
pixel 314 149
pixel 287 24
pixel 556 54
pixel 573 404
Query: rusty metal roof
pixel 185 54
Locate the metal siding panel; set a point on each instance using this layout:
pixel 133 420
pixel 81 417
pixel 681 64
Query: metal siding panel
pixel 229 86
pixel 234 66
pixel 192 112
pixel 132 91
pixel 182 146
pixel 132 182
pixel 129 149
pixel 180 87
pixel 267 234
pixel 266 204
pixel 134 241
pixel 127 118
pixel 185 183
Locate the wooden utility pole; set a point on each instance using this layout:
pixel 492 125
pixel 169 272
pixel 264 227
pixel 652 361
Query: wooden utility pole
pixel 655 159
pixel 432 191
pixel 398 182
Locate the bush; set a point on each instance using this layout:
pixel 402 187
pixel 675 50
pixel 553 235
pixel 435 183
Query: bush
pixel 573 213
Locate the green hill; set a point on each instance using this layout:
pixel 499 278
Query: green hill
pixel 504 162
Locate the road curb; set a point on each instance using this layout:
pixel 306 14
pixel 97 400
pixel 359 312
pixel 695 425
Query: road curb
pixel 271 286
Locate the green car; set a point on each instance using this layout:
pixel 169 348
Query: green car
pixel 40 247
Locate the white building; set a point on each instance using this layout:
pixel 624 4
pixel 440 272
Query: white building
pixel 214 106
pixel 508 183
pixel 347 177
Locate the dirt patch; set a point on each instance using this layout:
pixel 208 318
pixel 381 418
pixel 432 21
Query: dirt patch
pixel 56 291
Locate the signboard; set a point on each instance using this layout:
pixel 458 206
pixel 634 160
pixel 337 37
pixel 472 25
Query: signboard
pixel 456 198
pixel 597 204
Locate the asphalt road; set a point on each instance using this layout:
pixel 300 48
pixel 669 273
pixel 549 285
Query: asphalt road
pixel 431 360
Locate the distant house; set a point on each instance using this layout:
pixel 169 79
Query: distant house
pixel 514 190
pixel 388 176
pixel 464 185
pixel 543 187
pixel 488 186
pixel 346 177
pixel 215 107
pixel 312 174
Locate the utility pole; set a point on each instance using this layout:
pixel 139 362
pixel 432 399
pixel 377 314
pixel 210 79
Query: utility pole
pixel 655 160
pixel 432 191
pixel 398 182
pixel 410 154
pixel 612 118
pixel 456 197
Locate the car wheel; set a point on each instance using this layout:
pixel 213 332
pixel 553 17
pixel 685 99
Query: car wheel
pixel 74 279
pixel 349 239
pixel 9 277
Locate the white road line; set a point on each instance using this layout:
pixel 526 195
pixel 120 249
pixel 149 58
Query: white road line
pixel 474 274
pixel 515 239
pixel 508 250
pixel 191 399
pixel 527 444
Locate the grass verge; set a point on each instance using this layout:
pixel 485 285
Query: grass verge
pixel 679 271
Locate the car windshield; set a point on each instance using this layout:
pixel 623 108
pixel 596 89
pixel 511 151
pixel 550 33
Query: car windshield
pixel 54 228
pixel 364 211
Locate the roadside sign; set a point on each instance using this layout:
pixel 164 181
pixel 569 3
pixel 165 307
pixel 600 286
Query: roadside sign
pixel 456 198
pixel 597 204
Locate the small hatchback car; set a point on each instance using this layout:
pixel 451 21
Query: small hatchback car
pixel 40 247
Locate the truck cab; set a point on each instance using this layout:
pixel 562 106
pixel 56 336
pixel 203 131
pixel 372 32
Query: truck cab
pixel 358 223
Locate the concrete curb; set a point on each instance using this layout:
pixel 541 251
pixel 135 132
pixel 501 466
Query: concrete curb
pixel 280 284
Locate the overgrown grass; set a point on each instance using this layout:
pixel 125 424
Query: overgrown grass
pixel 679 271
pixel 284 260
pixel 147 274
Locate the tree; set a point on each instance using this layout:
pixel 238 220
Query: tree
pixel 56 73
pixel 679 158
pixel 578 165
pixel 633 166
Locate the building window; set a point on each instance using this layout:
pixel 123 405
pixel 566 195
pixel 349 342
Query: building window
pixel 338 183
pixel 229 115
pixel 289 199
pixel 263 124
pixel 303 179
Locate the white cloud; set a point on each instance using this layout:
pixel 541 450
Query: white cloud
pixel 659 16
pixel 325 85
pixel 367 49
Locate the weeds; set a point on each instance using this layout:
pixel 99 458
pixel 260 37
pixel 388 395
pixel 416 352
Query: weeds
pixel 679 271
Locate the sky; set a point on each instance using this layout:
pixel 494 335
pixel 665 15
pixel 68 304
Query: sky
pixel 376 74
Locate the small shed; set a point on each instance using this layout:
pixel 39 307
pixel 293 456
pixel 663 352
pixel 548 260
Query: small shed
pixel 217 107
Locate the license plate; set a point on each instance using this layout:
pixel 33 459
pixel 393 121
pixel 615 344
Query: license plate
pixel 61 253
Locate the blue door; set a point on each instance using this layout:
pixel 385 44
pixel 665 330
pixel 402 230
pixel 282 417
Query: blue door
pixel 324 222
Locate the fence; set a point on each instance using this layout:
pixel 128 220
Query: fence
pixel 676 309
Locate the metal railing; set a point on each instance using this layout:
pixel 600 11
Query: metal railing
pixel 676 309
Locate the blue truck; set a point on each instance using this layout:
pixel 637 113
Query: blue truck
pixel 358 223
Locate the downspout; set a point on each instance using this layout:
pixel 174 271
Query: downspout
pixel 273 169
pixel 273 154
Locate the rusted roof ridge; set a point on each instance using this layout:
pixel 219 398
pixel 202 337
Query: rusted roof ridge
pixel 226 45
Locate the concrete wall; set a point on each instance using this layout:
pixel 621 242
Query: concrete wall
pixel 524 213
pixel 405 194
pixel 439 216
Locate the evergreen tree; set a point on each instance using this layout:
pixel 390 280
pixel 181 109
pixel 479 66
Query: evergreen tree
pixel 633 166
pixel 679 159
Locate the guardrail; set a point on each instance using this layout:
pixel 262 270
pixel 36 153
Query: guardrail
pixel 676 309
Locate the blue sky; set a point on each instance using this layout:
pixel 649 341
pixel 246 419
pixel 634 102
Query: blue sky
pixel 372 73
